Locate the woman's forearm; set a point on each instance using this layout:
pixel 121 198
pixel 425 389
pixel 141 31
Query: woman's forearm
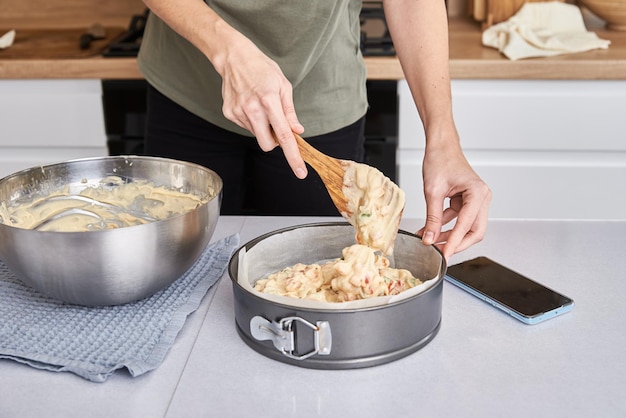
pixel 199 24
pixel 419 29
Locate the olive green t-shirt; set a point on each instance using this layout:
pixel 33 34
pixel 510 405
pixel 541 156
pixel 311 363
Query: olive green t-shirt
pixel 315 43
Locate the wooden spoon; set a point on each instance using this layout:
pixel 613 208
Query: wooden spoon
pixel 374 210
pixel 331 171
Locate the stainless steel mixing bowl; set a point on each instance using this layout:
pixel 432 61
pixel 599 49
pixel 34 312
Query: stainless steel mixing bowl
pixel 114 266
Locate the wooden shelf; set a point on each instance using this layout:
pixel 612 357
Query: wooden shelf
pixel 468 60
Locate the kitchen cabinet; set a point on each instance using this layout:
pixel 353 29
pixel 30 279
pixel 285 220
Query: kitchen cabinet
pixel 549 149
pixel 47 121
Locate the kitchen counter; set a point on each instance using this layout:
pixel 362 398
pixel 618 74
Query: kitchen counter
pixel 468 60
pixel 482 363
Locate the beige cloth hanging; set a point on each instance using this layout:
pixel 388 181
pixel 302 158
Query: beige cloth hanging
pixel 541 30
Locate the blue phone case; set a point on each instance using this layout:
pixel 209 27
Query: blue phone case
pixel 530 320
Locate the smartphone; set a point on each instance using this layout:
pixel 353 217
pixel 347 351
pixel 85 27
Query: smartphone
pixel 515 294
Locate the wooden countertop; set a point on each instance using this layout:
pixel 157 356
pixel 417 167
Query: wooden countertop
pixel 468 60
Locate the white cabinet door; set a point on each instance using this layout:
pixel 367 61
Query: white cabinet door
pixel 46 121
pixel 547 149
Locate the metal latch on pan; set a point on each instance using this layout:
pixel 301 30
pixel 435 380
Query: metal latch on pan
pixel 282 335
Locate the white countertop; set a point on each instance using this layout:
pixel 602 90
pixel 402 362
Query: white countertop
pixel 482 363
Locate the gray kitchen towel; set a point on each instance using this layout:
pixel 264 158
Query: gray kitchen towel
pixel 95 342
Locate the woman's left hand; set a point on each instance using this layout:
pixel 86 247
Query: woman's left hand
pixel 448 175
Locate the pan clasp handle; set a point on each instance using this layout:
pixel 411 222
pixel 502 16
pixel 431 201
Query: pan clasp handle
pixel 281 333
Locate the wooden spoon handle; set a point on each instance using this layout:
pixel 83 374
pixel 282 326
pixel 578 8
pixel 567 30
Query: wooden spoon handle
pixel 320 162
pixel 331 171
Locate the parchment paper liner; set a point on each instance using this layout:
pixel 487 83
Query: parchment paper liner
pixel 268 256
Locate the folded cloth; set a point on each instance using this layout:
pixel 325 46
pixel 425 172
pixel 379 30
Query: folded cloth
pixel 543 29
pixel 95 342
pixel 7 39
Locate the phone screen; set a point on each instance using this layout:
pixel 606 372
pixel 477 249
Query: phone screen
pixel 493 282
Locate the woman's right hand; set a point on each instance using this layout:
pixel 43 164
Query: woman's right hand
pixel 257 95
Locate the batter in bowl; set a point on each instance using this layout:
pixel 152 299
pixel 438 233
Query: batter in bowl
pixel 114 203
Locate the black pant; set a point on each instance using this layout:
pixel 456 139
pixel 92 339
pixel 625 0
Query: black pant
pixel 255 182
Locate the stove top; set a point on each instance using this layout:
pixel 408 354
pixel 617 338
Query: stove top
pixel 128 43
pixel 375 39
